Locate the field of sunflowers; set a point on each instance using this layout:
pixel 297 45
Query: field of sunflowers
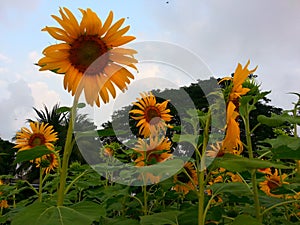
pixel 231 159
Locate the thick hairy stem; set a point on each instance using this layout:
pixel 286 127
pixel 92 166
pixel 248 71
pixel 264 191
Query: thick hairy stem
pixel 67 152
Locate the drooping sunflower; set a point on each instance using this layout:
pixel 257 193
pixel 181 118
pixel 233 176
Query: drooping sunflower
pixel 48 162
pixel 89 55
pixel 40 134
pixel 273 182
pixel 183 183
pixel 153 151
pixel 151 116
pixel 232 142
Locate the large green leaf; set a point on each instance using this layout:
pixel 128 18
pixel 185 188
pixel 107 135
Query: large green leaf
pixel 41 213
pixel 284 152
pixel 162 218
pixel 278 120
pixel 240 164
pixel 283 140
pixel 33 153
pixel 245 220
pixel 235 188
pixel 29 214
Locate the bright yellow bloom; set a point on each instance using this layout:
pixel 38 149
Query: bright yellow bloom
pixel 88 55
pixel 273 182
pixel 49 160
pixel 151 116
pixel 232 142
pixel 152 152
pixel 40 134
pixel 239 77
pixel 183 181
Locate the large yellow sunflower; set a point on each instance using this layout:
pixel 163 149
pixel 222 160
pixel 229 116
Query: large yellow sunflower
pixel 152 152
pixel 88 55
pixel 151 116
pixel 273 182
pixel 40 134
pixel 183 181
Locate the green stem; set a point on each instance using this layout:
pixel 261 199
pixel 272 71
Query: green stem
pixel 200 160
pixel 67 152
pixel 74 181
pixel 278 204
pixel 41 184
pixel 201 217
pixel 145 200
pixel 253 172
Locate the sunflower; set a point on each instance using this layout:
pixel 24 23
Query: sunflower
pixel 47 162
pixel 151 116
pixel 150 152
pixel 88 55
pixel 216 150
pixel 40 134
pixel 239 77
pixel 232 142
pixel 273 182
pixel 153 151
pixel 183 183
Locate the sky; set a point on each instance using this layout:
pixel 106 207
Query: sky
pixel 218 33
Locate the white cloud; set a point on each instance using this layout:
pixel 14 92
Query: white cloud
pixel 15 109
pixel 42 95
pixel 224 33
pixel 4 58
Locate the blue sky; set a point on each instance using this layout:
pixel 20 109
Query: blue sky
pixel 221 33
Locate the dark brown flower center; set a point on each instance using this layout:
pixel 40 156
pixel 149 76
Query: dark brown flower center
pixel 37 140
pixel 87 54
pixel 273 184
pixel 183 178
pixel 152 115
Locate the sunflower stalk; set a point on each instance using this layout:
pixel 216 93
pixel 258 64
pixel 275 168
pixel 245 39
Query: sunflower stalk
pixel 246 121
pixel 201 173
pixel 67 152
pixel 40 197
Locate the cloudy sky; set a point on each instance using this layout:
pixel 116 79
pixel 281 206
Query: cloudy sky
pixel 221 33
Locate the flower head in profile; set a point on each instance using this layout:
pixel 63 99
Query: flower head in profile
pixel 187 180
pixel 152 151
pixel 89 55
pixel 239 77
pixel 39 135
pixel 151 116
pixel 272 182
pixel 232 142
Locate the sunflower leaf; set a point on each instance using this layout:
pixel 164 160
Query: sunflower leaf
pixel 41 213
pixel 161 218
pixel 235 188
pixel 63 109
pixel 245 220
pixel 240 164
pixel 278 120
pixel 81 105
pixel 31 154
